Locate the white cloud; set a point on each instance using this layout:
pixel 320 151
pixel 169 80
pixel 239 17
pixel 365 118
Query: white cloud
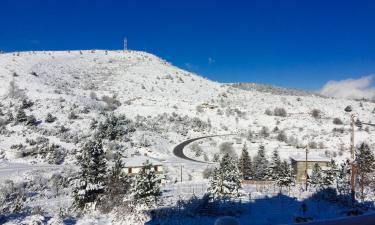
pixel 350 88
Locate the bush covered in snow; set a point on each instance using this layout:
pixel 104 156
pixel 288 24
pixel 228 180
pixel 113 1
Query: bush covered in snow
pixel 112 102
pixel 12 197
pixel 113 127
pixel 50 118
pixel 316 113
pixel 282 136
pixel 337 121
pixel 227 148
pixel 279 112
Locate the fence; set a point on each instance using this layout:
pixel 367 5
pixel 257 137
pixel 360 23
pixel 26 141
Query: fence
pixel 262 203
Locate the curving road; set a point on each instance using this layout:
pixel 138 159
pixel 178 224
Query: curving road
pixel 178 151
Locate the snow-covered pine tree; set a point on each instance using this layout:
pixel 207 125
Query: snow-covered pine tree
pixel 365 165
pixel 118 183
pixel 50 118
pixel 225 181
pixel 10 116
pixel 260 165
pixel 343 178
pixel 215 182
pixel 146 186
pixel 331 174
pixel 12 197
pixel 285 175
pixel 21 116
pixel 91 178
pixel 316 179
pixel 275 166
pixel 245 165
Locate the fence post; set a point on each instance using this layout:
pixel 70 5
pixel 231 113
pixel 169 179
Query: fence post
pixel 250 203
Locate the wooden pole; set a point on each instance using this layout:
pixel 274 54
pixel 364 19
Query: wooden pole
pixel 306 174
pixel 353 168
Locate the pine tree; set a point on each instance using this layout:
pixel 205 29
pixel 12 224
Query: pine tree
pixel 10 116
pixel 50 118
pixel 275 166
pixel 225 181
pixel 343 178
pixel 260 165
pixel 146 187
pixel 215 182
pixel 316 179
pixel 365 165
pixel 92 175
pixel 245 165
pixel 21 116
pixel 286 175
pixel 117 181
pixel 331 174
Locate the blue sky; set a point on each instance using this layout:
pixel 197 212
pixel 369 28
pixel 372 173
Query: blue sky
pixel 298 43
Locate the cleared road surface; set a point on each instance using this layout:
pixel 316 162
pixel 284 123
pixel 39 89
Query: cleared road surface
pixel 179 149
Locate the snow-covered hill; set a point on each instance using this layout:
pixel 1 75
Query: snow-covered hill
pixel 79 86
pixel 273 89
pixel 51 103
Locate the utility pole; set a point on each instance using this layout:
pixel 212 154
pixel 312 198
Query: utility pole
pixel 306 174
pixel 352 154
pixel 125 44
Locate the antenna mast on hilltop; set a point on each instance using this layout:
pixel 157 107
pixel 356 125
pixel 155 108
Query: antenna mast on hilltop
pixel 125 44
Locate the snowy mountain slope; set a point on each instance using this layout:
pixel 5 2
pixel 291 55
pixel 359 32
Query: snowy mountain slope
pixel 273 89
pixel 130 75
pixel 59 81
pixel 143 105
pixel 84 82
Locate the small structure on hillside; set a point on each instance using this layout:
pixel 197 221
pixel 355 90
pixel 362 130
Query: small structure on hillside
pixel 208 106
pixel 299 164
pixel 134 164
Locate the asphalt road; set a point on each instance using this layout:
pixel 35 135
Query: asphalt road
pixel 179 149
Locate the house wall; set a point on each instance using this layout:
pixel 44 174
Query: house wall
pixel 134 170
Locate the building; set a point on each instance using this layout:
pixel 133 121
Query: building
pixel 135 164
pixel 208 106
pixel 299 164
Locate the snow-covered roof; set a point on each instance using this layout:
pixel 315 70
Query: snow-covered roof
pixel 140 160
pixel 310 158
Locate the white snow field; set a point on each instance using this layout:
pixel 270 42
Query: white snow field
pixel 166 106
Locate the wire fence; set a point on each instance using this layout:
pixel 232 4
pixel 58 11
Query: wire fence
pixel 269 205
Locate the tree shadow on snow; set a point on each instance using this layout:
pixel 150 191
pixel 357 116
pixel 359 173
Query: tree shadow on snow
pixel 278 209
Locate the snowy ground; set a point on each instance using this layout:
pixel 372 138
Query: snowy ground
pixel 172 105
